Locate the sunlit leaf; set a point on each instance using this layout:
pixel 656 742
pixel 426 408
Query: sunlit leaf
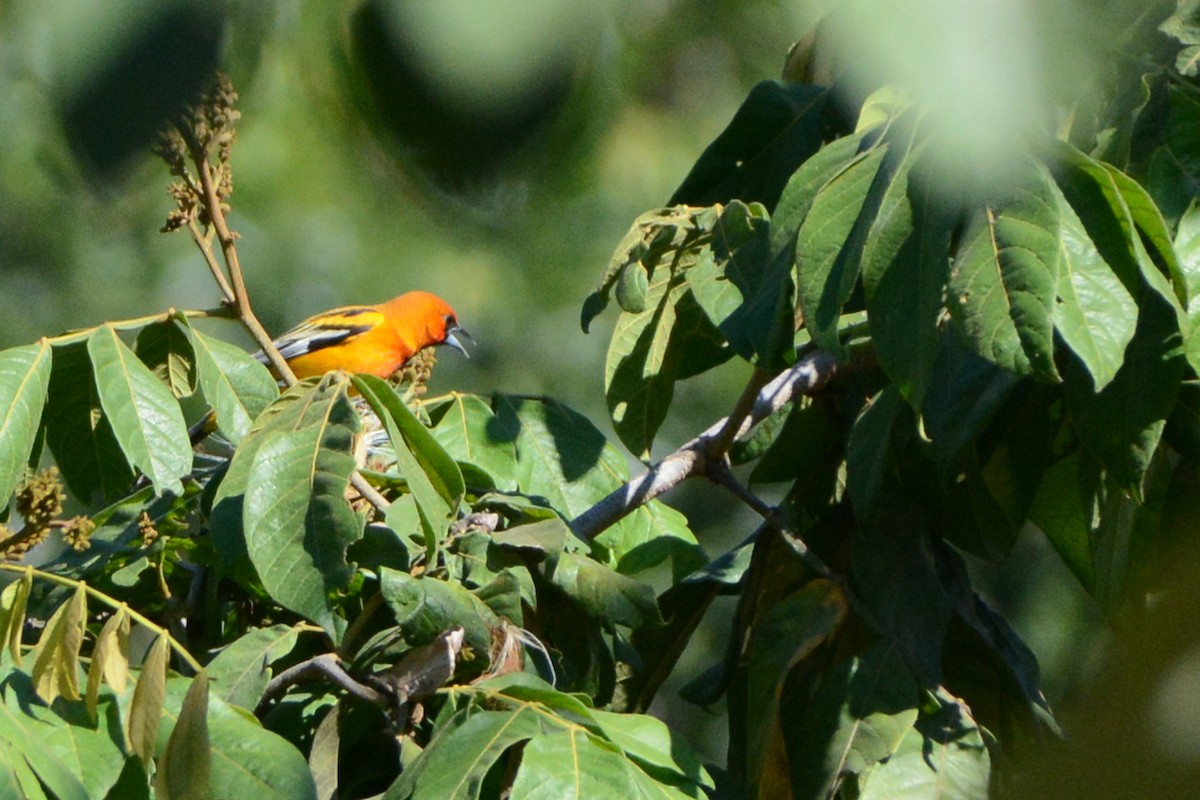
pixel 146 707
pixel 110 658
pixel 185 766
pixel 56 662
pixel 241 671
pixel 24 387
pixel 236 385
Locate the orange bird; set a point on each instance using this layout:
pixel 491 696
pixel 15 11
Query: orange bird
pixel 377 340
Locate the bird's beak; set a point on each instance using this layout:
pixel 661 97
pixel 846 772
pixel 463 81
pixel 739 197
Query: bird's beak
pixel 454 342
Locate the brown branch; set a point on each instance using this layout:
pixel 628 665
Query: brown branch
pixel 210 258
pixel 326 666
pixel 808 375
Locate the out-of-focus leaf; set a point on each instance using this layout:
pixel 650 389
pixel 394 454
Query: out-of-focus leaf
pixel 789 633
pixel 235 384
pixel 146 707
pixel 24 387
pixel 78 432
pixel 144 415
pixel 1004 279
pixel 1173 171
pixel 110 658
pixel 777 128
pixel 323 756
pixel 297 521
pixel 475 436
pixel 56 662
pixel 185 766
pixel 241 671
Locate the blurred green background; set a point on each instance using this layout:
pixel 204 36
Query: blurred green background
pixel 494 153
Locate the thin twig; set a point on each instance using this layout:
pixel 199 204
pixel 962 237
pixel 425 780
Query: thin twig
pixel 327 666
pixel 210 258
pixel 808 375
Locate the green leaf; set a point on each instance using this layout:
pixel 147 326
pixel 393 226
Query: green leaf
pixel 859 714
pixel 316 404
pixel 1095 314
pixel 905 266
pixel 745 293
pixel 185 766
pixel 829 242
pixel 650 744
pixel 1004 279
pixel 144 415
pixel 573 765
pixel 639 378
pixel 297 521
pixel 146 707
pixel 477 438
pixel 12 614
pixel 1122 424
pixel 235 384
pixel 56 662
pixel 110 658
pixel 247 761
pixel 432 475
pixel 789 633
pixel 241 671
pixel 87 750
pixel 24 387
pixel 458 758
pixel 869 452
pixel 1172 173
pixel 942 757
pixel 164 348
pixel 778 127
pixel 78 432
pixel 425 607
pixel 607 595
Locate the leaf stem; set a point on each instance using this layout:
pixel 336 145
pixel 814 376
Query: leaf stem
pixel 112 603
pixel 138 322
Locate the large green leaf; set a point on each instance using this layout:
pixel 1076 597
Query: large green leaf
pixel 829 243
pixel 78 432
pixel 1173 172
pixel 247 760
pixel 458 758
pixel 241 671
pixel 144 415
pixel 298 523
pixel 478 439
pixel 609 596
pixel 1003 282
pixel 1095 313
pixel 777 128
pixel 24 387
pixel 235 384
pixel 574 765
pixel 309 403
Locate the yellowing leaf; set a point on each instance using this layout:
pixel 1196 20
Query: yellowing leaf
pixel 146 708
pixel 110 658
pixel 56 666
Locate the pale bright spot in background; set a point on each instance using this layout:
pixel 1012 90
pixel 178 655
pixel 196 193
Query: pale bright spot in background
pixel 1175 709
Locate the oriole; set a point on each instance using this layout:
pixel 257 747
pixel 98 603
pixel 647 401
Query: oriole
pixel 377 340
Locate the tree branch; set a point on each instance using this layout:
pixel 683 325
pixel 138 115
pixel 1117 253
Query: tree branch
pixel 808 375
pixel 325 666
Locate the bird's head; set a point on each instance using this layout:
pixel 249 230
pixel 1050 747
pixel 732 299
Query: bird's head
pixel 425 319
